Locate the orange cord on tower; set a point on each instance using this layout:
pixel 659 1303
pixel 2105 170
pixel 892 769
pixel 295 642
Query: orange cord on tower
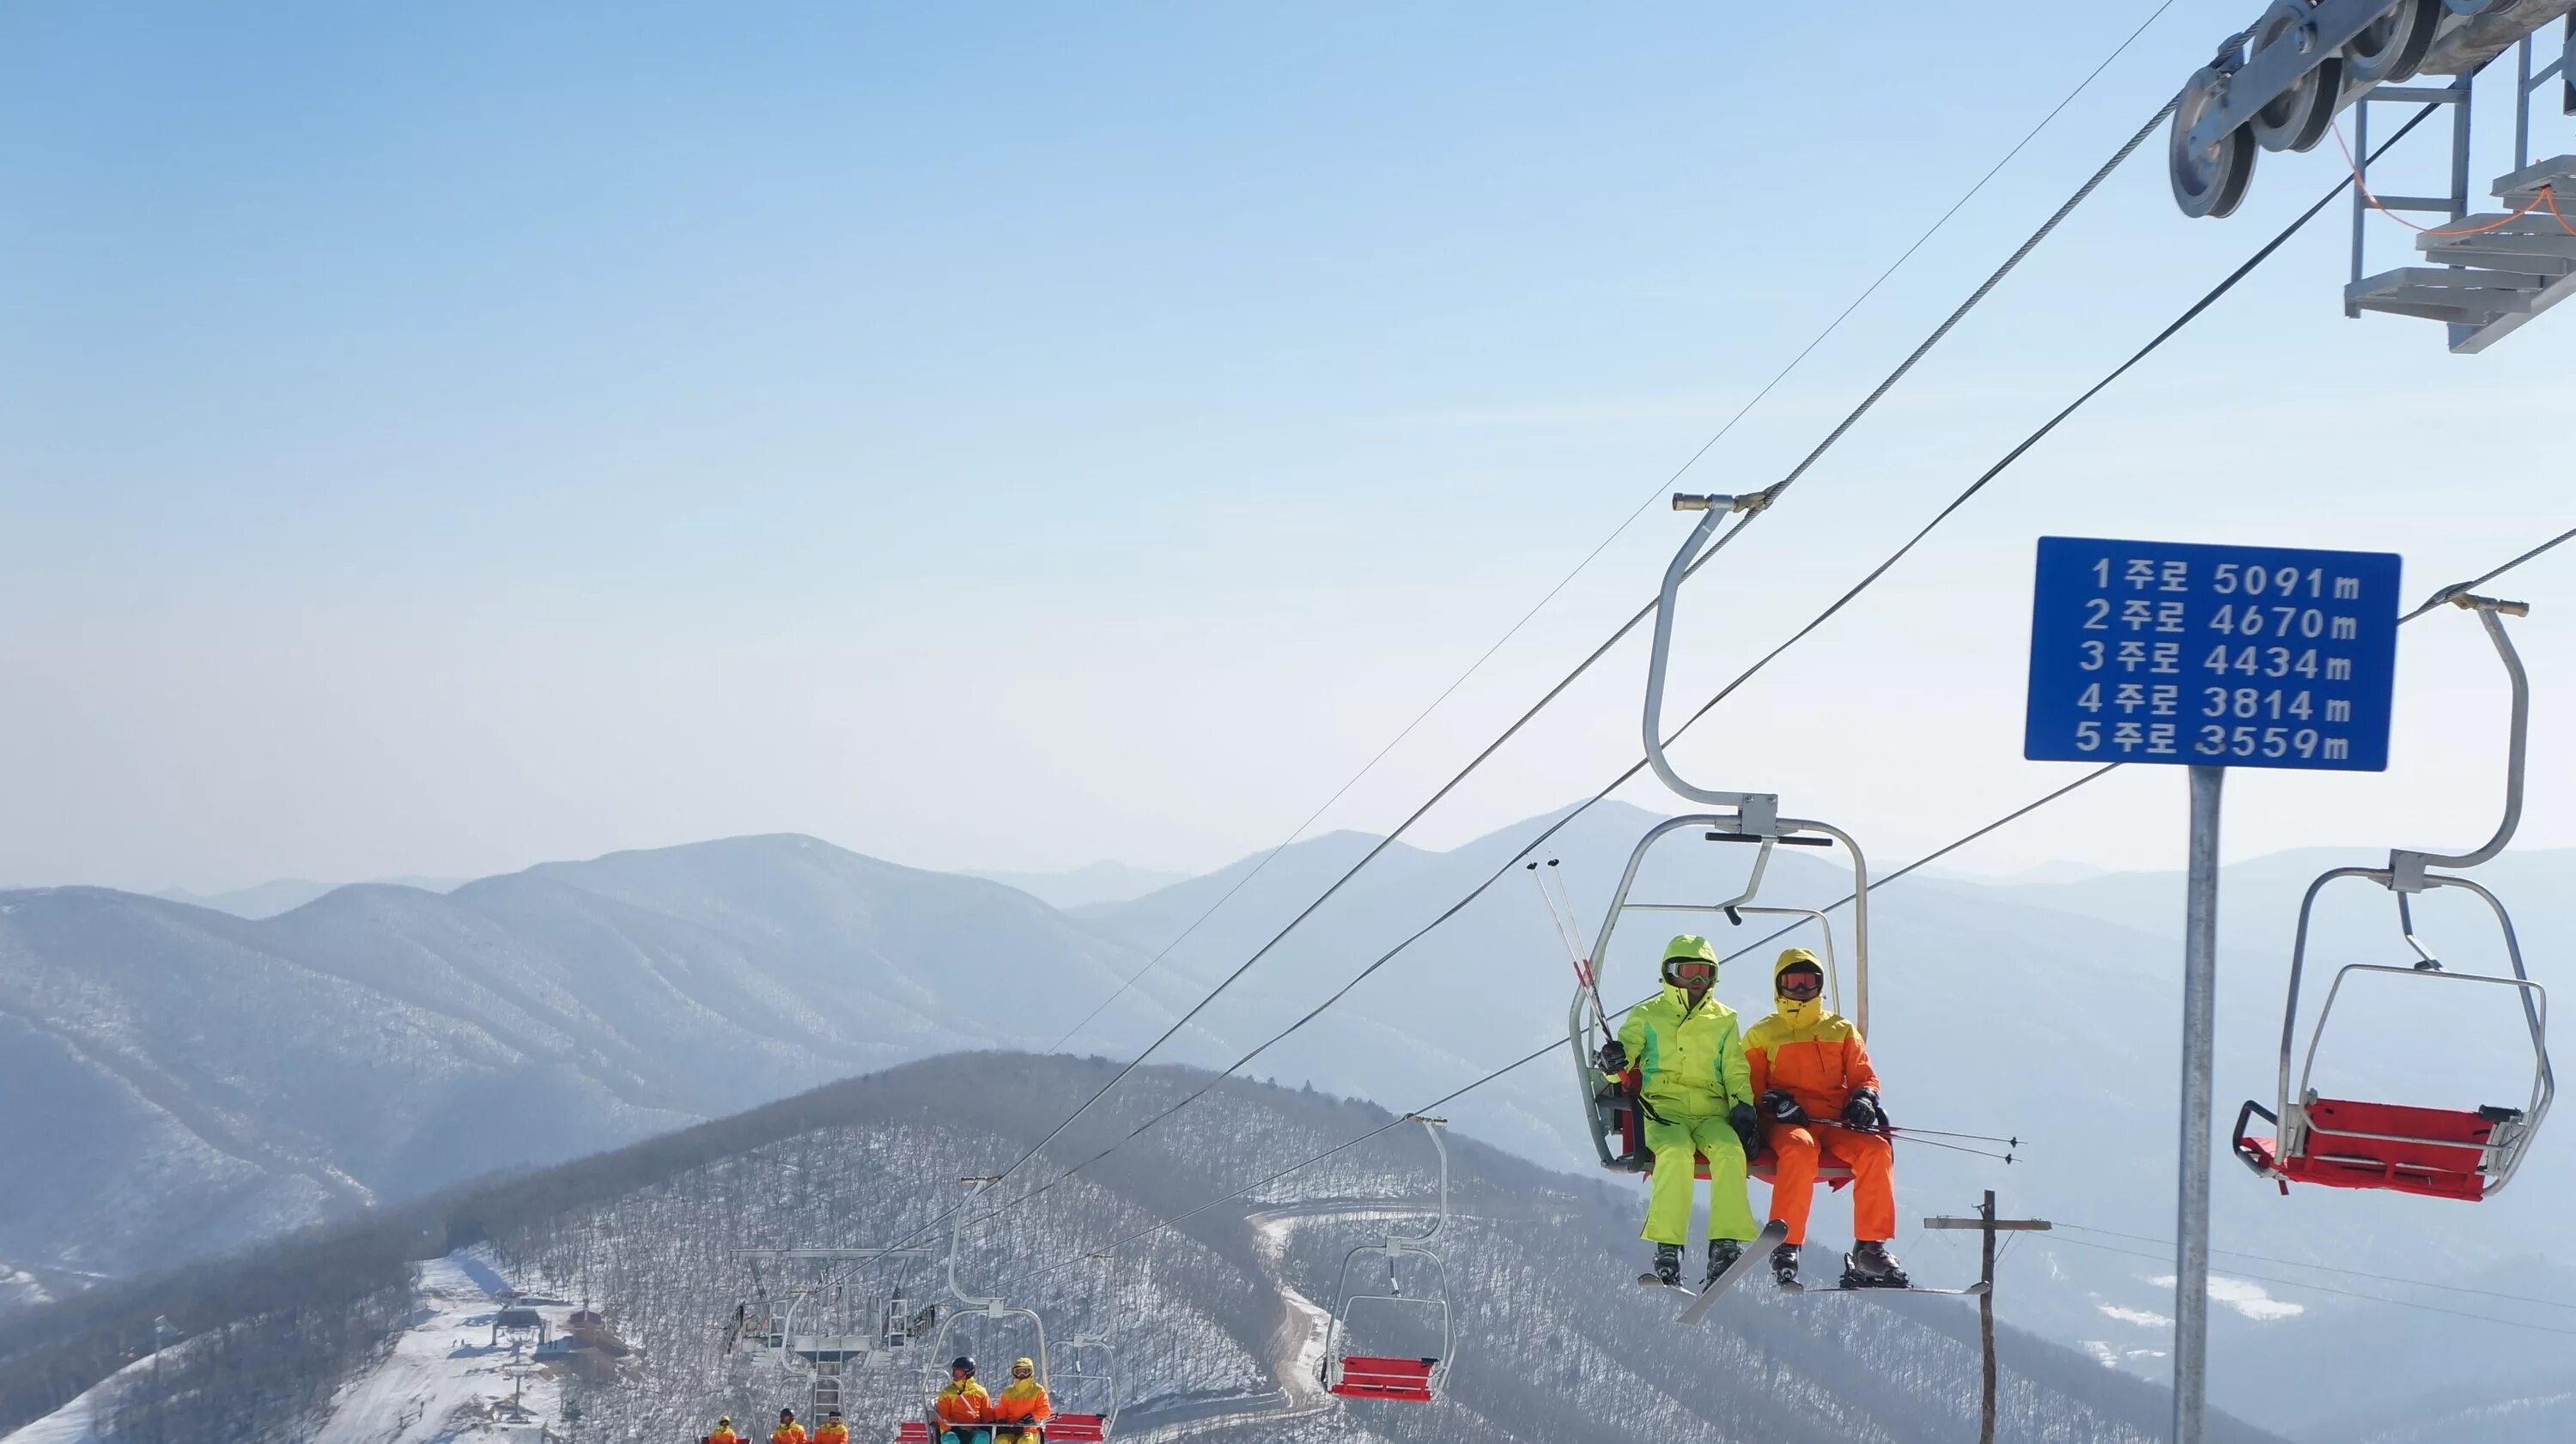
pixel 2538 201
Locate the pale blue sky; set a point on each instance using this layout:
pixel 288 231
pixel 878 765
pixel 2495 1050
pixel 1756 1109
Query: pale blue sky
pixel 438 441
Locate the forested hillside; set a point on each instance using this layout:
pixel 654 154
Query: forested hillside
pixel 1555 1343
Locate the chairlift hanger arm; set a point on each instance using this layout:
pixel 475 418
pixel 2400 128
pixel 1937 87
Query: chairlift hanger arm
pixel 1757 811
pixel 2407 867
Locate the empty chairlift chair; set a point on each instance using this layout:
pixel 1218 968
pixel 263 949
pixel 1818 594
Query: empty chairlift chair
pixel 1415 1379
pixel 2411 1147
pixel 1085 1391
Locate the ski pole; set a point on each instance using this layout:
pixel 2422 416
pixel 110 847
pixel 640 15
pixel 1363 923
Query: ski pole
pixel 1569 932
pixel 1898 1135
pixel 1937 1133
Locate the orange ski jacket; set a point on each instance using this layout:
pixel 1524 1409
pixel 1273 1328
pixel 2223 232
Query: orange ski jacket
pixel 1023 1403
pixel 964 1403
pixel 1814 1054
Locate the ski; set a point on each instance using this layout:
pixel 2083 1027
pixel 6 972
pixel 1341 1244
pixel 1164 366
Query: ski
pixel 1756 1255
pixel 1970 1291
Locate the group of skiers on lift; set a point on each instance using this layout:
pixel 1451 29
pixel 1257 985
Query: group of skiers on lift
pixel 832 1431
pixel 967 1413
pixel 1798 1081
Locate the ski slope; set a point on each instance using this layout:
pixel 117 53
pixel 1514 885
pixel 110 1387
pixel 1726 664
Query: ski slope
pixel 445 1379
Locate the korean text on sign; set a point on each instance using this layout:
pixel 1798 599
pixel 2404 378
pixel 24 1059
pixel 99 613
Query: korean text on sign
pixel 2227 656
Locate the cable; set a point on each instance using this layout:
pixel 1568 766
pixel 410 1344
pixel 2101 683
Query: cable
pixel 2330 1268
pixel 2189 314
pixel 2340 1293
pixel 2443 597
pixel 1772 494
pixel 1631 519
pixel 1554 1044
pixel 1926 860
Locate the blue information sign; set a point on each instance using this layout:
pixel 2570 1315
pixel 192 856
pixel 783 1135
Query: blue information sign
pixel 2226 656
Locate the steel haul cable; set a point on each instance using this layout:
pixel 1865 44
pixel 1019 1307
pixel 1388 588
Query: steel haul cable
pixel 2091 184
pixel 1616 532
pixel 1770 496
pixel 1927 859
pixel 2191 313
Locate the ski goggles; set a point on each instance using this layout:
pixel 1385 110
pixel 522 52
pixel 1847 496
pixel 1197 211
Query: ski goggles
pixel 1802 983
pixel 1703 972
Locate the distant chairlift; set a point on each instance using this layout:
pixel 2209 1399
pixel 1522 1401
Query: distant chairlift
pixel 2466 1154
pixel 1613 1106
pixel 1085 1391
pixel 1406 1380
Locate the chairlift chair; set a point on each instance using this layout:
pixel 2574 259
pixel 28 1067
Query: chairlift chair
pixel 1613 1105
pixel 963 1305
pixel 1416 1380
pixel 1085 1392
pixel 2439 1152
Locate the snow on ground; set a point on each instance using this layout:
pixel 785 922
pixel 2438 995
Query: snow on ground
pixel 1301 1371
pixel 2244 1296
pixel 20 1289
pixel 446 1379
pixel 2143 1318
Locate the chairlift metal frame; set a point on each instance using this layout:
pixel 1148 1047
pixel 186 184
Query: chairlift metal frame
pixel 1084 1426
pixel 1752 817
pixel 1416 1380
pixel 967 1306
pixel 2463 1154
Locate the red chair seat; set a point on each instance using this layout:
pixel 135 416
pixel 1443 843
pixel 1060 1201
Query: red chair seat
pixel 2435 1152
pixel 1077 1429
pixel 912 1431
pixel 1371 1378
pixel 1764 1164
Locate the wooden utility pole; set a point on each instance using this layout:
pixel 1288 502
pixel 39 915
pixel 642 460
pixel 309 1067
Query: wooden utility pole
pixel 1987 1224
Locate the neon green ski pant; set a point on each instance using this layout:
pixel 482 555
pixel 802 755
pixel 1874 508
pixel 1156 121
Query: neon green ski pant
pixel 1668 1206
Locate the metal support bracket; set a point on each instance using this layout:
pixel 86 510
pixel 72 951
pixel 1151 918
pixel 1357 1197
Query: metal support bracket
pixel 2406 868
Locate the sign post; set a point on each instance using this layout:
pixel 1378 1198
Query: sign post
pixel 2208 657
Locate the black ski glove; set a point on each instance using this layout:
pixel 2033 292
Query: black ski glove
pixel 1613 1057
pixel 1748 1128
pixel 1781 1106
pixel 1863 1112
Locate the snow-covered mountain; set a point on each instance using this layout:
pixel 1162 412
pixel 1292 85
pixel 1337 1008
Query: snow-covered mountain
pixel 209 1080
pixel 356 1338
pixel 206 1080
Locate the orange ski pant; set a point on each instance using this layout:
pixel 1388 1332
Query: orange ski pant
pixel 1793 1185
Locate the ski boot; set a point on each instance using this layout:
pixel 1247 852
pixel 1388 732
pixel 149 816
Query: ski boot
pixel 1722 1254
pixel 1784 1265
pixel 1668 1264
pixel 1870 1266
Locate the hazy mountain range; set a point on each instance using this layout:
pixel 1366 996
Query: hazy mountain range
pixel 209 1079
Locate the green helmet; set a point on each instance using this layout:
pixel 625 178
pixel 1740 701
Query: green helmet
pixel 1686 949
